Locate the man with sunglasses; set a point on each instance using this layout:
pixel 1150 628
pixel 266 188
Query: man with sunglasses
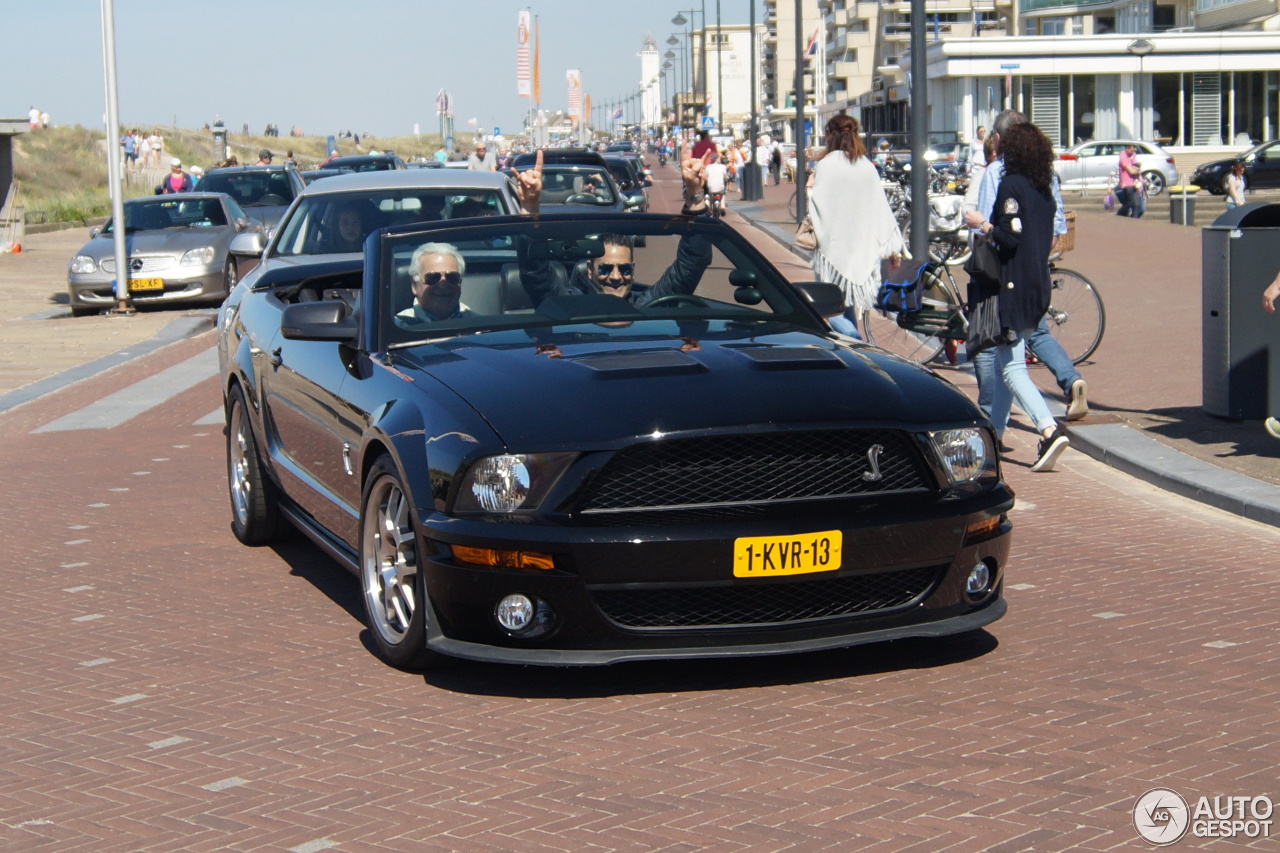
pixel 436 271
pixel 614 272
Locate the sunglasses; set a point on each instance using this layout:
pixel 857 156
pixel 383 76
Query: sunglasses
pixel 624 270
pixel 433 278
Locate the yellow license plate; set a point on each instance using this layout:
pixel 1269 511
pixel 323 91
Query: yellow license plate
pixel 146 284
pixel 771 556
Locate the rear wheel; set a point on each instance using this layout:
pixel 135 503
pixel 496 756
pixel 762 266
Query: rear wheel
pixel 391 571
pixel 255 517
pixel 1076 316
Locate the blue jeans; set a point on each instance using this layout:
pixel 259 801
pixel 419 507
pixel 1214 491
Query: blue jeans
pixel 1011 360
pixel 1045 347
pixel 1125 195
pixel 846 323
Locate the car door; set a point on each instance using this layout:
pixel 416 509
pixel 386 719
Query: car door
pixel 1102 164
pixel 310 425
pixel 1266 167
pixel 1071 171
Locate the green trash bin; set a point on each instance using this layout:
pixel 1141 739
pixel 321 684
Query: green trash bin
pixel 1182 205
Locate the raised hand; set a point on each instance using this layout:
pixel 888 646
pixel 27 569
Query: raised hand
pixel 529 184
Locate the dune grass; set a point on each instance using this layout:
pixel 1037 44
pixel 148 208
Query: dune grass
pixel 63 169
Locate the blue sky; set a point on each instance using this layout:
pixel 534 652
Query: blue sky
pixel 325 65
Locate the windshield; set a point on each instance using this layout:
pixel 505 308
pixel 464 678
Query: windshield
pixel 339 222
pixel 554 273
pixel 157 214
pixel 565 184
pixel 251 189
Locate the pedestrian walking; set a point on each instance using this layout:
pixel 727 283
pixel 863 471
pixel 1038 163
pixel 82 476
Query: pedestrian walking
pixel 1126 192
pixel 1022 230
pixel 1235 186
pixel 852 221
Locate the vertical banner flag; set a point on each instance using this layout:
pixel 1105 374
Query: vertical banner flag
pixel 524 85
pixel 574 79
pixel 586 107
pixel 537 57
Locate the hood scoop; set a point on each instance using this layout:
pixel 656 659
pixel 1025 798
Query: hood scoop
pixel 627 365
pixel 789 358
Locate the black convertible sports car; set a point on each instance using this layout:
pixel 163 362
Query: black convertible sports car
pixel 536 443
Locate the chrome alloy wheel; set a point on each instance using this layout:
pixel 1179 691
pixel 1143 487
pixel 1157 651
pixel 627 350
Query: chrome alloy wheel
pixel 238 450
pixel 389 562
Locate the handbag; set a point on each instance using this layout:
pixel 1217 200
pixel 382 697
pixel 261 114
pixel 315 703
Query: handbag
pixel 806 237
pixel 984 330
pixel 984 263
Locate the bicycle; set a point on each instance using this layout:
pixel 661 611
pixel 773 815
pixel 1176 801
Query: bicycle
pixel 1076 316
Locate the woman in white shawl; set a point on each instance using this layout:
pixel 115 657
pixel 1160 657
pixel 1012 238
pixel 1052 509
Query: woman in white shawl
pixel 852 221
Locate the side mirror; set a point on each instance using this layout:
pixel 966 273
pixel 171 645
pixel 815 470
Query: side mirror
pixel 94 232
pixel 633 201
pixel 247 244
pixel 826 299
pixel 326 320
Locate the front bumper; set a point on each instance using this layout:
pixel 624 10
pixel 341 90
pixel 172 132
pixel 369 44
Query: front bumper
pixel 190 284
pixel 901 578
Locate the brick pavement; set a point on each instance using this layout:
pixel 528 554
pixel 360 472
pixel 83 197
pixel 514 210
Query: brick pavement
pixel 167 689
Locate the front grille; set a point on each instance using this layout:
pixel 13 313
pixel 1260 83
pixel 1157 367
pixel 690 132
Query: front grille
pixel 764 604
pixel 760 468
pixel 150 263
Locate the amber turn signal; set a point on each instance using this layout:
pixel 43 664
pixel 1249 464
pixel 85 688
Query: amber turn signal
pixel 503 559
pixel 980 530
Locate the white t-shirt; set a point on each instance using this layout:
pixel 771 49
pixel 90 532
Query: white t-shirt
pixel 34 116
pixel 715 177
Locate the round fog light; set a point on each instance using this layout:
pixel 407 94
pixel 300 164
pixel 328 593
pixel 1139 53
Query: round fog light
pixel 515 612
pixel 979 579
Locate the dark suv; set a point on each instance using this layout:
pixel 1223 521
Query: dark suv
pixel 365 163
pixel 265 192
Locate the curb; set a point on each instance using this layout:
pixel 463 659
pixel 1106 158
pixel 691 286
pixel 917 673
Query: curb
pixel 1129 451
pixel 178 329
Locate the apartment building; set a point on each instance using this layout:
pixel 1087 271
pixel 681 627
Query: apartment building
pixel 1192 74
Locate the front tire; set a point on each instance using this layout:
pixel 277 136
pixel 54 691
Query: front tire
pixel 391 571
pixel 1155 183
pixel 255 514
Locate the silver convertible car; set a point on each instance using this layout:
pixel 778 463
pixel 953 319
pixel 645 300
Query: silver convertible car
pixel 177 247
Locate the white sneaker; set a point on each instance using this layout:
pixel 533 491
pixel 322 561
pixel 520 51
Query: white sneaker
pixel 1077 406
pixel 1050 449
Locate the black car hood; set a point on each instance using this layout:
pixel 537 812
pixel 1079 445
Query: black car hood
pixel 1217 165
pixel 585 386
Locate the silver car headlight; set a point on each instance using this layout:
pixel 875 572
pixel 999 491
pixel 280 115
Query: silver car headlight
pixel 201 257
pixel 510 482
pixel 967 455
pixel 82 264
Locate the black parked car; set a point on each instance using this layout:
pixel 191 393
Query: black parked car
pixel 264 192
pixel 545 473
pixel 1261 169
pixel 365 163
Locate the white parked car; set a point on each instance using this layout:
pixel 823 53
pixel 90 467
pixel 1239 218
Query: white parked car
pixel 1090 165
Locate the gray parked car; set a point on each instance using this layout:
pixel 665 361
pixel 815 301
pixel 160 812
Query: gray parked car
pixel 264 191
pixel 1090 165
pixel 177 247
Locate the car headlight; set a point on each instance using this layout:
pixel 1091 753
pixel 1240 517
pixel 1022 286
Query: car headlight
pixel 966 455
pixel 198 257
pixel 510 482
pixel 82 264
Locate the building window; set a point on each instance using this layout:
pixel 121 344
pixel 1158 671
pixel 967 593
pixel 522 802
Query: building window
pixel 1164 18
pixel 850 54
pixel 1053 26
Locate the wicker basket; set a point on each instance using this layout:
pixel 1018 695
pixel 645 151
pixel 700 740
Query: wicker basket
pixel 1066 242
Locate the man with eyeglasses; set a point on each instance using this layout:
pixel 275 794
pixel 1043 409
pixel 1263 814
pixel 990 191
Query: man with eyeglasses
pixel 436 271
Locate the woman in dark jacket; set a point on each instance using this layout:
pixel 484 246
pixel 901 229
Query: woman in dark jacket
pixel 1023 231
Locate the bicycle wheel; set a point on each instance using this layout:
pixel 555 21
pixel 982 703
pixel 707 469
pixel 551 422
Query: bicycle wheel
pixel 881 328
pixel 1076 316
pixel 792 205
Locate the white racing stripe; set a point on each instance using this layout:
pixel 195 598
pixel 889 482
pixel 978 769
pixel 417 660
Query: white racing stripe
pixel 114 409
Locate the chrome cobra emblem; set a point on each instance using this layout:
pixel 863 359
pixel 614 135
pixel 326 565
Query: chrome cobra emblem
pixel 872 474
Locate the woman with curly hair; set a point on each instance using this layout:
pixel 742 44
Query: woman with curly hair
pixel 852 221
pixel 1022 230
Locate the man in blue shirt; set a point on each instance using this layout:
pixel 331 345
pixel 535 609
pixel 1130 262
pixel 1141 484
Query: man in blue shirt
pixel 1042 343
